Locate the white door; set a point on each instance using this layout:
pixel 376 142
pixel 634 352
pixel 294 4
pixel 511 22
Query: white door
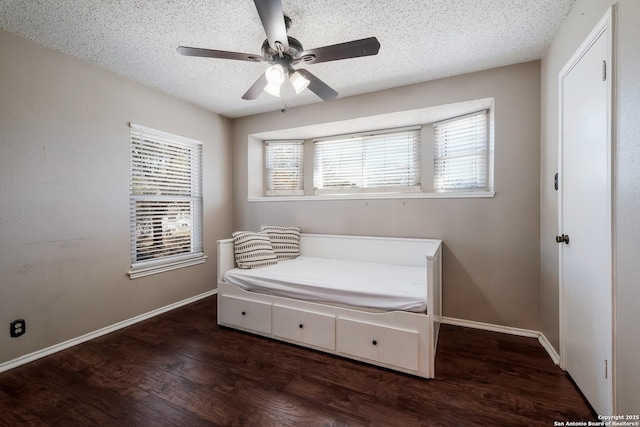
pixel 585 219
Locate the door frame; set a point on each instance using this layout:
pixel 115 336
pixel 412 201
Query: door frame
pixel 605 26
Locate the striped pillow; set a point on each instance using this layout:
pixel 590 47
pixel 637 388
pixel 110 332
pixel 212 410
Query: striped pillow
pixel 253 250
pixel 285 240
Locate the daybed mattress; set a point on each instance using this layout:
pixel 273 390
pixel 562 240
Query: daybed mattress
pixel 363 284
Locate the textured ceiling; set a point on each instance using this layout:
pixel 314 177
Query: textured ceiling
pixel 420 41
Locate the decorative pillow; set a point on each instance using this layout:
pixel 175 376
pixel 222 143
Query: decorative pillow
pixel 285 240
pixel 253 250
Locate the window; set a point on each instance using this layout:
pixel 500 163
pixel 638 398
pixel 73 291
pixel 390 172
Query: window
pixel 461 153
pixel 442 151
pixel 378 162
pixel 284 167
pixel 165 201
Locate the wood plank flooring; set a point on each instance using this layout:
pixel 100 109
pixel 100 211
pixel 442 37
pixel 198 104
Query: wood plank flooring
pixel 180 368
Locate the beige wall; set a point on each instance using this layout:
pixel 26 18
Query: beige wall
pixel 491 250
pixel 580 21
pixel 64 196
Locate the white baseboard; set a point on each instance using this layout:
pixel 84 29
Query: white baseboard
pixel 550 350
pixel 507 330
pixel 491 327
pixel 100 332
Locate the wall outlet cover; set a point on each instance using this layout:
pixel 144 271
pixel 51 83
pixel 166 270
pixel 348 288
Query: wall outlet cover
pixel 17 327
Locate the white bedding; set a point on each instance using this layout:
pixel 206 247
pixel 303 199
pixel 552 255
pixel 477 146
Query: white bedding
pixel 363 284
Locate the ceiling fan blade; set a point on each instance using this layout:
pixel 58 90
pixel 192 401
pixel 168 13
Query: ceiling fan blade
pixel 272 18
pixel 256 89
pixel 318 87
pixel 223 54
pixel 352 49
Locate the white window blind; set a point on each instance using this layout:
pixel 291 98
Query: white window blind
pixel 461 153
pixel 284 167
pixel 370 163
pixel 165 198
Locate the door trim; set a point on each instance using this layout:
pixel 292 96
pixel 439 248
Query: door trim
pixel 605 26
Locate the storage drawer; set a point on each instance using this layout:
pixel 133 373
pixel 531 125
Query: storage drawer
pixel 246 314
pixel 397 347
pixel 304 326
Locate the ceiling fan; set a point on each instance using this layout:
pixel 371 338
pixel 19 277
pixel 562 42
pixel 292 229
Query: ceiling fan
pixel 283 52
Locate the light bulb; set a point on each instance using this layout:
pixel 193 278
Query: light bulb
pixel 272 89
pixel 299 82
pixel 275 74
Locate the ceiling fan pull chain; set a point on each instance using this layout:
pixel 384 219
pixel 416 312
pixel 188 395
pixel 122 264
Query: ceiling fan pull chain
pixel 284 101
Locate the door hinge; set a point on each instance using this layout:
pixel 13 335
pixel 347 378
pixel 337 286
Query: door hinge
pixel 604 71
pixel 606 369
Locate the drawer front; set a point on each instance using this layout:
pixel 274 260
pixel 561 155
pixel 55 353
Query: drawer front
pixel 243 313
pixel 397 347
pixel 304 326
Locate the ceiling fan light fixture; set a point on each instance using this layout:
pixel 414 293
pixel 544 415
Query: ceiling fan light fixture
pixel 272 89
pixel 299 82
pixel 275 75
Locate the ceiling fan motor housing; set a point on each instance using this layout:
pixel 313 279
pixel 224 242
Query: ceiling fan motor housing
pixel 271 55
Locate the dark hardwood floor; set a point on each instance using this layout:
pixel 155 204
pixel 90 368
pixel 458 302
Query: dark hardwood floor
pixel 180 368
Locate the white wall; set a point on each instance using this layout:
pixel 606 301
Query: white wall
pixel 491 250
pixel 580 21
pixel 64 196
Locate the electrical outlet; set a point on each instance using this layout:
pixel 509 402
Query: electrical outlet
pixel 17 328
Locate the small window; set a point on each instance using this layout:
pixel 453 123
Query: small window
pixel 380 162
pixel 284 168
pixel 461 153
pixel 165 201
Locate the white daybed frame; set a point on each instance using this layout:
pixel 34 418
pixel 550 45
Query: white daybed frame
pixel 398 340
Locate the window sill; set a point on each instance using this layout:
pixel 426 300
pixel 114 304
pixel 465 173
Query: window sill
pixel 376 196
pixel 147 269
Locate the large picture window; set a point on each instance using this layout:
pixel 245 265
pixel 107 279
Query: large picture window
pixel 165 201
pixel 436 152
pixel 381 162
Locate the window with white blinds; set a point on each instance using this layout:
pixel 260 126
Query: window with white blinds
pixel 165 199
pixel 461 151
pixel 284 167
pixel 381 162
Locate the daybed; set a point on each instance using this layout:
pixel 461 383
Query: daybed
pixel 357 327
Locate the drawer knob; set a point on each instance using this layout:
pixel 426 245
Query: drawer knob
pixel 244 312
pixel 301 325
pixel 374 342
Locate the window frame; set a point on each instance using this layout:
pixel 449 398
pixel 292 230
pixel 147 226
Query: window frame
pixel 270 192
pixel 474 152
pixel 370 138
pixel 191 185
pixel 423 117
